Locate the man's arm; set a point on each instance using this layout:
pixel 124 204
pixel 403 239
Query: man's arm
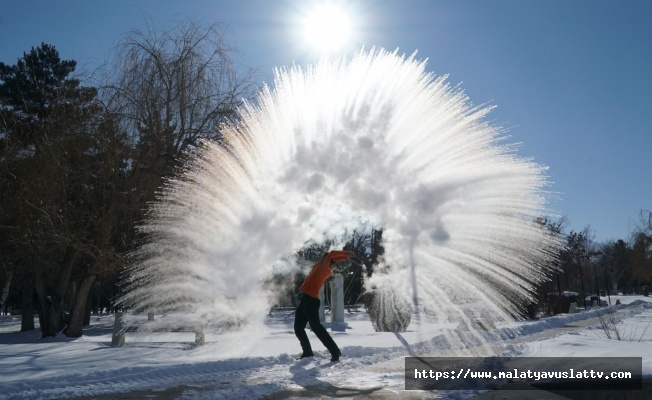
pixel 339 255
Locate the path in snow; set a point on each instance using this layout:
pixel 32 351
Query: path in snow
pixel 164 372
pixel 363 372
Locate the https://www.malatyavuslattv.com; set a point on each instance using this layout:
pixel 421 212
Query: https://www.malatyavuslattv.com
pixel 441 373
pixel 516 374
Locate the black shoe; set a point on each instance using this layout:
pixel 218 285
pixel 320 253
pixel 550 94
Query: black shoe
pixel 336 356
pixel 304 355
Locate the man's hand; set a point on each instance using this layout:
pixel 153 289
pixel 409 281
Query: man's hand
pixel 339 269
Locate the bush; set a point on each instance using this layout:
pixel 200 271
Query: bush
pixel 389 312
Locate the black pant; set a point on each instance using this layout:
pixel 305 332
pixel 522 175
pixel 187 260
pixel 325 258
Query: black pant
pixel 308 311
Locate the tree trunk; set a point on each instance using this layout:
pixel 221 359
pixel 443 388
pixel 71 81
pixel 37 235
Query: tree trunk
pixel 95 304
pixel 64 272
pixel 58 298
pixel 74 328
pixel 51 308
pixel 45 306
pixel 87 311
pixel 60 289
pixel 5 290
pixel 27 321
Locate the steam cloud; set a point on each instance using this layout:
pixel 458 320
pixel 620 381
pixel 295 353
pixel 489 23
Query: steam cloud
pixel 374 139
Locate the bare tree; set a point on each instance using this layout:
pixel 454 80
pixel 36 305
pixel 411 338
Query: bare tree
pixel 171 87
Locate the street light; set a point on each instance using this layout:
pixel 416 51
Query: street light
pixel 579 265
pixel 579 259
pixel 607 283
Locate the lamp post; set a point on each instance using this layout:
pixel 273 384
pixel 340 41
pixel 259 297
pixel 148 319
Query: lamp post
pixel 597 287
pixel 579 265
pixel 607 283
pixel 588 257
pixel 595 271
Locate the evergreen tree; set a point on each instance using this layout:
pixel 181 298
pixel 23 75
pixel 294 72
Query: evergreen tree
pixel 59 188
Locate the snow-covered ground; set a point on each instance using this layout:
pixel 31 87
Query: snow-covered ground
pixel 236 365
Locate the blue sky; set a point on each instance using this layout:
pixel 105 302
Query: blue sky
pixel 571 79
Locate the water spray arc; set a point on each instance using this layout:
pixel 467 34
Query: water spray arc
pixel 373 139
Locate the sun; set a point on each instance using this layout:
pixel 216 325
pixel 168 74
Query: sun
pixel 326 28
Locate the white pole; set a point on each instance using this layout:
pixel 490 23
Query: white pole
pixel 337 303
pixel 118 339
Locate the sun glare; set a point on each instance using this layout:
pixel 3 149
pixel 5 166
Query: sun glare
pixel 326 28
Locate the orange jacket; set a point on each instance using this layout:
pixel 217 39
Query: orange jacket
pixel 322 271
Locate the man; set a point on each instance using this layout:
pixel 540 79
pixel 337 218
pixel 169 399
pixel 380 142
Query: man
pixel 308 309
